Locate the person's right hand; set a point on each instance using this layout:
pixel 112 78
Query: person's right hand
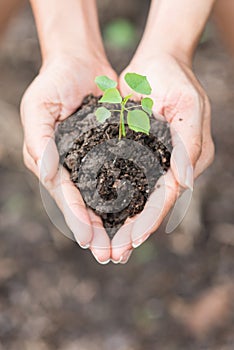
pixel 55 94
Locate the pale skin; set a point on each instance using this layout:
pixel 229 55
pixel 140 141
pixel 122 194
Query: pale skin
pixel 70 64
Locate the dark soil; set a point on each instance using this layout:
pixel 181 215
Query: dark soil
pixel 114 177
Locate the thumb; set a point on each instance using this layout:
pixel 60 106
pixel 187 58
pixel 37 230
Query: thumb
pixel 39 124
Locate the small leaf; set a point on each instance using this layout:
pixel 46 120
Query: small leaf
pixel 147 104
pixel 111 96
pixel 138 121
pixel 102 114
pixel 138 83
pixel 104 83
pixel 126 98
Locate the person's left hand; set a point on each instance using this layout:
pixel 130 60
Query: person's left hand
pixel 181 100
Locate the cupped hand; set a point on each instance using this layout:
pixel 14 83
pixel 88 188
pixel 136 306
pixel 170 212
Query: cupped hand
pixel 54 95
pixel 180 99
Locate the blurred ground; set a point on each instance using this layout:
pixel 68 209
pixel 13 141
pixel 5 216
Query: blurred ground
pixel 177 290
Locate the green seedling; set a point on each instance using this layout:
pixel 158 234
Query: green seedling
pixel 137 119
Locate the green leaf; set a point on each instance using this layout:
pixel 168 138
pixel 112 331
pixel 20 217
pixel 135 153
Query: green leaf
pixel 138 121
pixel 126 98
pixel 138 83
pixel 102 114
pixel 147 104
pixel 111 96
pixel 104 83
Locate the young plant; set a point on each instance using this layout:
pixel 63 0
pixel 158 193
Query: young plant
pixel 137 119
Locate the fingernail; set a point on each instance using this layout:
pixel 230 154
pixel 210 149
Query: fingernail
pixel 189 177
pixel 101 262
pixel 140 241
pixel 137 243
pixel 43 173
pixel 84 246
pixel 116 262
pixel 125 257
pixel 104 262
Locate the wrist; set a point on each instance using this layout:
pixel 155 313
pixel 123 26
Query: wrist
pixel 73 50
pixel 76 62
pixel 146 52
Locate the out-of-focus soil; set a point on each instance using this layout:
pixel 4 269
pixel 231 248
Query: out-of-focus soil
pixel 176 292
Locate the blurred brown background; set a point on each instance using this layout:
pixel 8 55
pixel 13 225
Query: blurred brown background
pixel 176 292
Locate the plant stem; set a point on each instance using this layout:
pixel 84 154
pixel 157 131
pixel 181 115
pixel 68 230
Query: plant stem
pixel 120 128
pixel 128 108
pixel 122 131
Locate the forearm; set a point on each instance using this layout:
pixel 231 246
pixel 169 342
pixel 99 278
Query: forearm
pixel 7 9
pixel 175 26
pixel 223 16
pixel 67 26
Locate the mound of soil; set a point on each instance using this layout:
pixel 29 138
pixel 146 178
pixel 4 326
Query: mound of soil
pixel 114 177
